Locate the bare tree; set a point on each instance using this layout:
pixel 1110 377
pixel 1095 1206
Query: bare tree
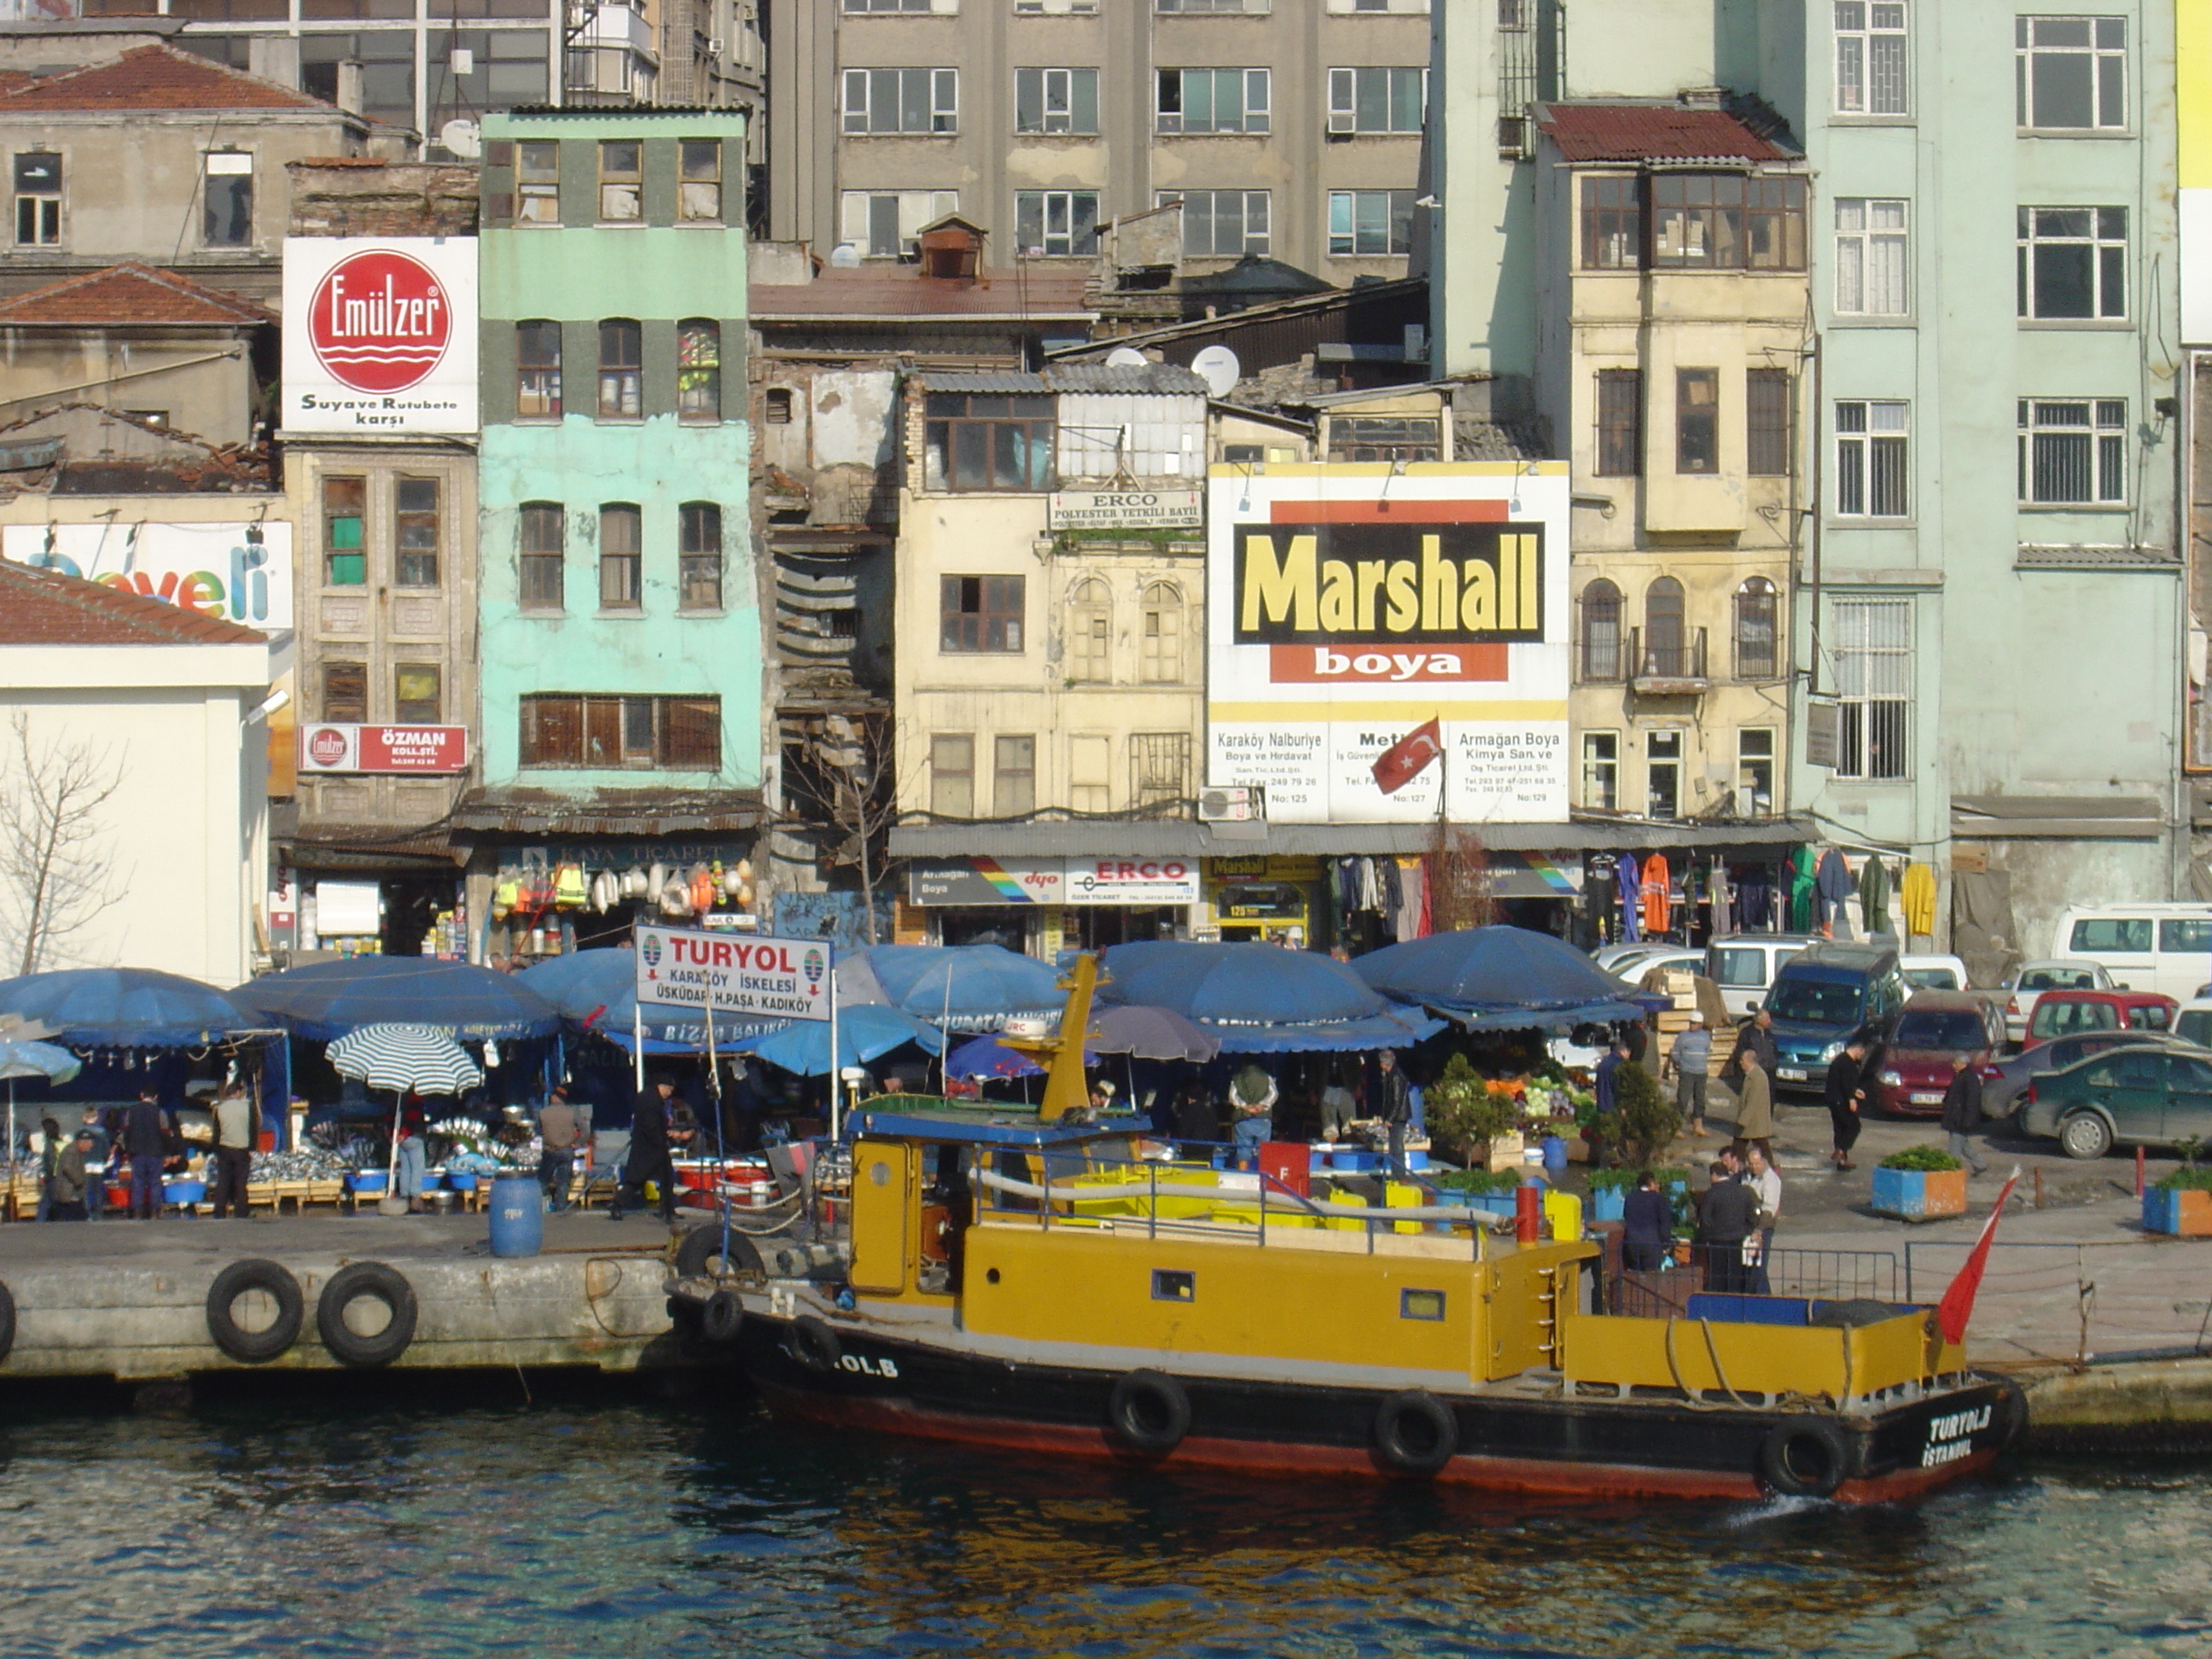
pixel 1459 880
pixel 56 872
pixel 842 781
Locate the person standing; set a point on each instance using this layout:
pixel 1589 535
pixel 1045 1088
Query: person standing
pixel 50 1157
pixel 233 1150
pixel 1754 1034
pixel 1754 1106
pixel 1725 1214
pixel 73 1177
pixel 649 1157
pixel 1647 1226
pixel 1692 1058
pixel 1962 1108
pixel 414 1156
pixel 1339 1105
pixel 556 1161
pixel 1608 1075
pixel 1764 1181
pixel 148 1131
pixel 1845 1093
pixel 1395 1107
pixel 95 1163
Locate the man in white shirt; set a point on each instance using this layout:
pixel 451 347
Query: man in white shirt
pixel 1763 1178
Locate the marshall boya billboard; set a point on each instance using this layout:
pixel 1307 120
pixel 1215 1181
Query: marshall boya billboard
pixel 380 335
pixel 1348 604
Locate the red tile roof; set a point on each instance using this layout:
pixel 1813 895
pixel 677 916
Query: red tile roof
pixel 132 294
pixel 12 79
pixel 1653 133
pixel 43 607
pixel 899 291
pixel 156 77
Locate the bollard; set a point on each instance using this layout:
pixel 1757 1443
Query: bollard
pixel 1528 1211
pixel 2139 1172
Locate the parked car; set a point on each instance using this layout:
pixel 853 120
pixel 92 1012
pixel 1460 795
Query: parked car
pixel 1917 1045
pixel 1932 973
pixel 2063 1014
pixel 1619 960
pixel 2145 947
pixel 1744 965
pixel 2153 1095
pixel 2031 979
pixel 2004 1082
pixel 1822 994
pixel 2194 1022
pixel 1688 961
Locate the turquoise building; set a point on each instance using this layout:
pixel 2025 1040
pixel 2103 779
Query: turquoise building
pixel 619 621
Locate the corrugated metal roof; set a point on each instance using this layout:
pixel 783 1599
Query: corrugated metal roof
pixel 1653 133
pixel 607 812
pixel 1160 837
pixel 2030 556
pixel 1163 378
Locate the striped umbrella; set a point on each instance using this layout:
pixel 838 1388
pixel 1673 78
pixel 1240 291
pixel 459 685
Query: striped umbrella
pixel 401 1057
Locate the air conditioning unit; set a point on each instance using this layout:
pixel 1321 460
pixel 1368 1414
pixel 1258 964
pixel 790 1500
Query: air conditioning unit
pixel 1235 802
pixel 714 46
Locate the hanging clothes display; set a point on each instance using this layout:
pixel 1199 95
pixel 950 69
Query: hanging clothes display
pixel 1874 896
pixel 1833 886
pixel 1723 917
pixel 1655 895
pixel 1626 880
pixel 1800 891
pixel 1411 910
pixel 1752 899
pixel 1915 897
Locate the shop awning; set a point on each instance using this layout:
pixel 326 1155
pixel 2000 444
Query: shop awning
pixel 1172 837
pixel 607 812
pixel 2064 818
pixel 326 999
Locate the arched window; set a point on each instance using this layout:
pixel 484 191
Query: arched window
pixel 1663 634
pixel 1757 637
pixel 1600 631
pixel 1162 661
pixel 699 371
pixel 1090 652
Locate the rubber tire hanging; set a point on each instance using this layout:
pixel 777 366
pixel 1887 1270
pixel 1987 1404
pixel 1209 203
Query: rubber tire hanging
pixel 1804 1457
pixel 254 1273
pixel 1149 1412
pixel 702 1248
pixel 349 1284
pixel 722 1318
pixel 813 1344
pixel 1433 1439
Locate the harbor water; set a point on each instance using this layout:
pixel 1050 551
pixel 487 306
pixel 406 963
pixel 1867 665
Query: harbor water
pixel 578 1527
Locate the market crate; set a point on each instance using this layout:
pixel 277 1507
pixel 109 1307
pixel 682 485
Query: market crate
pixel 324 1189
pixel 1919 1194
pixel 2186 1212
pixel 1608 1203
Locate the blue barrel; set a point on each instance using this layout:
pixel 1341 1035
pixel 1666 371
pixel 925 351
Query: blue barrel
pixel 518 1215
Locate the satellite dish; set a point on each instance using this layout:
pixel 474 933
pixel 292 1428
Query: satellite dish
pixel 1218 367
pixel 846 256
pixel 463 138
pixel 1126 357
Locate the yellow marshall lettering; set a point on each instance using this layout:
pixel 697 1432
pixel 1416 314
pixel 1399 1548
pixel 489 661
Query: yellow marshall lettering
pixel 1338 612
pixel 1370 578
pixel 1287 586
pixel 1478 606
pixel 1531 597
pixel 1404 608
pixel 1439 587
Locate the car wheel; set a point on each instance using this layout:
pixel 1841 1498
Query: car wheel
pixel 2084 1135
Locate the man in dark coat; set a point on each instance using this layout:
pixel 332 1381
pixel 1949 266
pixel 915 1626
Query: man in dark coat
pixel 649 1158
pixel 1647 1226
pixel 148 1133
pixel 1395 1106
pixel 1846 1093
pixel 1725 1217
pixel 1756 1035
pixel 1962 1107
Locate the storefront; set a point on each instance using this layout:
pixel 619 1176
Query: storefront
pixel 548 898
pixel 1044 905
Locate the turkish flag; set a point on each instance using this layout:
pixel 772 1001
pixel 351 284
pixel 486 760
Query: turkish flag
pixel 1957 1306
pixel 1407 758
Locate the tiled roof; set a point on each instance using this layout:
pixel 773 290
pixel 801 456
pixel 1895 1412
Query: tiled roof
pixel 1653 133
pixel 154 78
pixel 132 294
pixel 43 607
pixel 899 292
pixel 12 79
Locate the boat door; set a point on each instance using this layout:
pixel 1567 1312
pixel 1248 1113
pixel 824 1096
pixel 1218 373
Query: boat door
pixel 884 1198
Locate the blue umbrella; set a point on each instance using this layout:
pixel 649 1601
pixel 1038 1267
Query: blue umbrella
pixel 326 999
pixel 125 1008
pixel 986 1057
pixel 863 1034
pixel 597 991
pixel 1259 999
pixel 964 987
pixel 1503 978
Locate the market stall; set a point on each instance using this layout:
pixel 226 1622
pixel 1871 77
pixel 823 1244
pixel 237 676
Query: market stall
pixel 955 987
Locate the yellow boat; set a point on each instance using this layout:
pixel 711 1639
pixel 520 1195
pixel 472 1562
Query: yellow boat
pixel 1044 1284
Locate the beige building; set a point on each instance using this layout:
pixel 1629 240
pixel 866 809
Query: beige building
pixel 1674 339
pixel 1290 129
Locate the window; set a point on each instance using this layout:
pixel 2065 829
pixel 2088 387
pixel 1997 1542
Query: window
pixel 1870 258
pixel 980 613
pixel 622 181
pixel 698 371
pixel 2190 937
pixel 1212 100
pixel 1602 771
pixel 622 557
pixel 1613 223
pixel 537 371
pixel 1662 773
pixel 1038 8
pixel 345 549
pixel 952 775
pixel 699 556
pixel 226 218
pixel 673 734
pixel 1161 662
pixel 37 199
pixel 1055 100
pixel 1212 5
pixel 885 223
pixel 1754 771
pixel 699 182
pixel 2073 262
pixel 414 699
pixel 1385 438
pixel 1619 422
pixel 1159 768
pixel 1873 647
pixel 1089 653
pixel 1168 1284
pixel 1870 460
pixel 621 370
pixel 976 441
pixel 1757 638
pixel 2070 73
pixel 1089 774
pixel 1222 223
pixel 902 101
pixel 1728 221
pixel 775 405
pixel 1013 777
pixel 1697 419
pixel 541 544
pixel 1420 1305
pixel 537 181
pixel 1767 422
pixel 2107 934
pixel 415 521
pixel 1371 221
pixel 1600 631
pixel 1376 99
pixel 1870 58
pixel 886 5
pixel 1664 635
pixel 2072 452
pixel 1056 222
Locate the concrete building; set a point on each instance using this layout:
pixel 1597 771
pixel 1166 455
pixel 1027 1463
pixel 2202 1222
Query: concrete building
pixel 619 616
pixel 1289 128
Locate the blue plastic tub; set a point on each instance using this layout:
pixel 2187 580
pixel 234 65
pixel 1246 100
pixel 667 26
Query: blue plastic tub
pixel 368 1180
pixel 461 1180
pixel 185 1191
pixel 432 1181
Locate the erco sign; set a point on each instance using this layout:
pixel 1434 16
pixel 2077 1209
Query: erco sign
pixel 1132 881
pixel 379 334
pixel 380 321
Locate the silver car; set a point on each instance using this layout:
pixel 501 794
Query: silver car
pixel 2030 980
pixel 2004 1082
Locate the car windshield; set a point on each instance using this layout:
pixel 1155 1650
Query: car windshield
pixel 1939 1028
pixel 1815 1001
pixel 2055 1015
pixel 1934 979
pixel 2195 1025
pixel 2148 1016
pixel 2058 979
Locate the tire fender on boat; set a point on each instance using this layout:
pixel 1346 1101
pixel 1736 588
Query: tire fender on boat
pixel 813 1344
pixel 722 1318
pixel 1149 1412
pixel 1415 1432
pixel 1804 1457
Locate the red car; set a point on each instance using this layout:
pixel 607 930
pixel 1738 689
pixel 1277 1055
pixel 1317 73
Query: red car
pixel 1933 1026
pixel 2068 1014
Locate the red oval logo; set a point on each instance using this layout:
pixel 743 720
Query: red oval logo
pixel 327 747
pixel 380 321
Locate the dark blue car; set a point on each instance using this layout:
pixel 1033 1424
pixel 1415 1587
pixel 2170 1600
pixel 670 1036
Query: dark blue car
pixel 1822 994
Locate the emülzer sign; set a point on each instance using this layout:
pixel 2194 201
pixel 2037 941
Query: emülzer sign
pixel 379 334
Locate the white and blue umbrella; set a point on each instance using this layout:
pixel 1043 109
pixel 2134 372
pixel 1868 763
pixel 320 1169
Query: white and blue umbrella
pixel 403 1057
pixel 26 1058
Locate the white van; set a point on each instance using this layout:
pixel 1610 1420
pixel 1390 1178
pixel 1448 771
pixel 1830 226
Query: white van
pixel 1744 964
pixel 2166 948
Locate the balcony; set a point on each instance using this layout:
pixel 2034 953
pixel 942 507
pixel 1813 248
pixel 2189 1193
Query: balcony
pixel 1668 665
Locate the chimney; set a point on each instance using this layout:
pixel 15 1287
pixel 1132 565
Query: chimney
pixel 274 57
pixel 349 99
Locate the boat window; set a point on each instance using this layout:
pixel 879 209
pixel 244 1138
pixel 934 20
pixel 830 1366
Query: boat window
pixel 1171 1285
pixel 1420 1305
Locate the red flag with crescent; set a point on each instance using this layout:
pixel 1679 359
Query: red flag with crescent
pixel 1411 756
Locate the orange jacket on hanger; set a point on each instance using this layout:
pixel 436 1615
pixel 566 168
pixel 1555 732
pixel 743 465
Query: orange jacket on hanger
pixel 1655 895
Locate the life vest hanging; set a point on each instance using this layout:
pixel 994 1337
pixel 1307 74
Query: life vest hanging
pixel 569 891
pixel 702 890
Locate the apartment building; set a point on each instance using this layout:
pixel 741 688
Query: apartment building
pixel 1289 129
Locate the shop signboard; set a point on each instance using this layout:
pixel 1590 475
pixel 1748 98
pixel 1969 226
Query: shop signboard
pixel 238 572
pixel 1348 604
pixel 379 334
pixel 326 747
pixel 1132 881
pixel 756 973
pixel 1125 509
pixel 980 879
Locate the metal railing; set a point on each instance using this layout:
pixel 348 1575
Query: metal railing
pixel 1815 1275
pixel 2074 1303
pixel 1681 658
